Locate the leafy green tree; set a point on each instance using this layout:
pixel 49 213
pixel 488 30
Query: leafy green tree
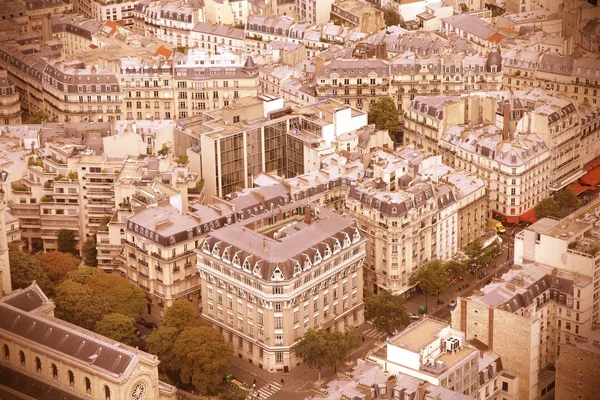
pixel 121 296
pixel 456 268
pixel 567 199
pixel 548 207
pixel 25 268
pixel 57 265
pixel 67 242
pixel 204 357
pixel 384 114
pixel 78 304
pixel 161 342
pixel 476 255
pixel 313 349
pixel 386 312
pixel 36 118
pixel 118 327
pixel 89 252
pixel 84 274
pixel 340 345
pixel 432 279
pixel 182 315
pixel 391 15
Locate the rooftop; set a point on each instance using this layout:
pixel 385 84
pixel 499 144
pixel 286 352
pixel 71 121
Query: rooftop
pixel 419 334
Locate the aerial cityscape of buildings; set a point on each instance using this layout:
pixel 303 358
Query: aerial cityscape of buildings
pixel 277 166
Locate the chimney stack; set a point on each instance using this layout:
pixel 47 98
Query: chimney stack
pixel 506 121
pixel 307 215
pixel 421 392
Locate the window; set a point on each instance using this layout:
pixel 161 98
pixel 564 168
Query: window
pixel 54 371
pixel 38 364
pixel 279 356
pixel 71 378
pixel 505 386
pixel 88 385
pixel 106 392
pixel 6 352
pixel 22 356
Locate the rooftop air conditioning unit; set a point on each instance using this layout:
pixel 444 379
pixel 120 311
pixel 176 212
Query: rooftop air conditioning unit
pixel 452 344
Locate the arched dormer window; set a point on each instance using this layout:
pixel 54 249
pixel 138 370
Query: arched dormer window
pixel 356 236
pixel 347 241
pixel 236 261
pixel 225 256
pixel 206 247
pixel 337 247
pixel 246 266
pixel 307 264
pixel 277 275
pixel 172 240
pixel 327 252
pixel 297 269
pixel 256 271
pixel 317 257
pixel 215 251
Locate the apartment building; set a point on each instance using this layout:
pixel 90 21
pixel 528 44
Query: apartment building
pixel 159 252
pixel 264 276
pixel 171 22
pixel 38 10
pixel 61 360
pixel 430 350
pixel 261 30
pixel 227 12
pixel 313 11
pixel 217 38
pixel 109 10
pixel 578 366
pixel 264 134
pixel 356 83
pixel 357 14
pixel 520 6
pixel 217 82
pixel 75 32
pixel 528 316
pixel 370 379
pixel 10 105
pixel 17 14
pixel 481 35
pixel 427 118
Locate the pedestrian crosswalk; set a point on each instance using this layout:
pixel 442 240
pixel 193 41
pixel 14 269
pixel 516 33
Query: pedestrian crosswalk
pixel 373 334
pixel 264 392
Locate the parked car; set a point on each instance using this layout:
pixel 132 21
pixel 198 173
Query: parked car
pixel 452 303
pixel 413 316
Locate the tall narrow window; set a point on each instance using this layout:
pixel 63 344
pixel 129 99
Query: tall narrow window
pixel 22 356
pixel 71 378
pixel 54 371
pixel 6 352
pixel 38 364
pixel 88 385
pixel 106 392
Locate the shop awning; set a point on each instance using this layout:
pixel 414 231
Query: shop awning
pixel 592 178
pixel 578 188
pixel 529 216
pixel 512 219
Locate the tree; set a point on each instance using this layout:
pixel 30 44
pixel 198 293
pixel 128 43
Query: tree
pixel 78 304
pixel 204 357
pixel 182 315
pixel 340 345
pixel 456 268
pixel 548 207
pixel 386 312
pixel 476 255
pixel 432 279
pixel 313 349
pixel 84 274
pixel 391 15
pixel 161 342
pixel 67 242
pixel 36 118
pixel 57 265
pixel 89 252
pixel 24 269
pixel 118 327
pixel 384 114
pixel 121 296
pixel 567 199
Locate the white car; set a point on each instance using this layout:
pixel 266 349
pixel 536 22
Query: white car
pixel 413 316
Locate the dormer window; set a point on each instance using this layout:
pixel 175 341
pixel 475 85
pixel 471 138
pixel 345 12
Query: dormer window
pixel 317 257
pixel 297 269
pixel 356 236
pixel 225 256
pixel 327 252
pixel 215 251
pixel 277 275
pixel 347 241
pixel 236 260
pixel 246 266
pixel 307 264
pixel 206 247
pixel 337 247
pixel 256 271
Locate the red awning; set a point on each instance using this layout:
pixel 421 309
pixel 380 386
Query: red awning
pixel 592 178
pixel 578 188
pixel 512 219
pixel 528 216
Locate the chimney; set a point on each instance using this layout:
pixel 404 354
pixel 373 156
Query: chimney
pixel 421 392
pixel 506 121
pixel 307 215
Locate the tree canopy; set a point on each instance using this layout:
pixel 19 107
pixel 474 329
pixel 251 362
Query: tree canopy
pixel 25 268
pixel 312 349
pixel 89 252
pixel 456 268
pixel 189 350
pixel 118 327
pixel 477 256
pixel 386 311
pixel 566 199
pixel 79 305
pixel 204 357
pixel 67 242
pixel 121 296
pixel 57 265
pixel 432 278
pixel 384 114
pixel 391 15
pixel 548 207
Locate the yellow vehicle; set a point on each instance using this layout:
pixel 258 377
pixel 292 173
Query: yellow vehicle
pixel 497 225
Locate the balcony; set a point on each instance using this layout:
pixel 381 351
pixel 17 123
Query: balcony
pixel 143 262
